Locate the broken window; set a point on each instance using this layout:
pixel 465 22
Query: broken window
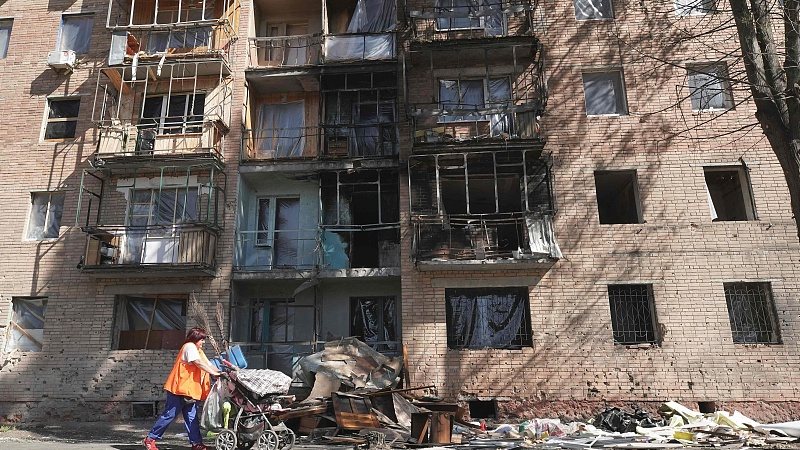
pixel 373 320
pixel 593 9
pixel 62 118
pixel 633 313
pixel 75 32
pixel 470 14
pixel 360 114
pixel 752 313
pixel 151 322
pixel 281 129
pixel 26 329
pixel 360 218
pixel 273 331
pixel 693 7
pixel 604 93
pixel 481 318
pixel 708 87
pixel 173 114
pixel 729 195
pixel 617 196
pixel 44 221
pixel 279 228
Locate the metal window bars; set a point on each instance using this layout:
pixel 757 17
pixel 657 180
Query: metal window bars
pixel 633 317
pixel 752 314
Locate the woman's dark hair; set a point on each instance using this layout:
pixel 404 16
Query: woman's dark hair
pixel 195 334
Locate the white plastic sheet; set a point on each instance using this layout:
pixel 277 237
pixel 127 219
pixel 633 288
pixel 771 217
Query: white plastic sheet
pixel 76 31
pixel 281 128
pixel 357 47
pixel 542 236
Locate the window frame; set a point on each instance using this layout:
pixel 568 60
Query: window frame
pixel 60 45
pixel 523 336
pixel 152 212
pixel 47 224
pixel 120 303
pixel 621 102
pixel 717 71
pixel 6 23
pixel 265 237
pixel 745 185
pixel 611 15
pixel 691 10
pixel 71 119
pixel 769 309
pixel 187 124
pixel 13 321
pixel 615 320
pixel 485 93
pixel 636 196
pixel 481 20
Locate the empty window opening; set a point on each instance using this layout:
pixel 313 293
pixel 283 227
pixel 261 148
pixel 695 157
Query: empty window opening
pixel 633 314
pixel 360 219
pixel 153 322
pixel 374 321
pixel 729 195
pixel 26 328
pixel 751 310
pixel 708 87
pixel 593 9
pixel 44 221
pixel 273 331
pixel 76 32
pixel 5 36
pixel 481 318
pixel 617 197
pixel 62 118
pixel 482 409
pixel 604 93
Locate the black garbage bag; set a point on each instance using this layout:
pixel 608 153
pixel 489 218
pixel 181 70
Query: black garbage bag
pixel 616 419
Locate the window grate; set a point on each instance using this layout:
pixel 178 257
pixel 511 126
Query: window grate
pixel 751 310
pixel 632 314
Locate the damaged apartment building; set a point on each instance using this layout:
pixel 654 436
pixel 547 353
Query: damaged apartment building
pixel 535 203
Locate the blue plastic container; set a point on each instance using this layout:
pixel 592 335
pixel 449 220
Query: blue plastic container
pixel 234 355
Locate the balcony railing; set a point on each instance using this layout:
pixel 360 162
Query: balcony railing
pixel 470 19
pixel 314 49
pixel 482 238
pixel 179 246
pixel 436 126
pixel 324 248
pixel 206 39
pixel 122 143
pixel 325 141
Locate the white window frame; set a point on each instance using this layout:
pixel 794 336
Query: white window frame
pixel 685 8
pixel 47 119
pixel 187 113
pixel 13 323
pixel 622 98
pixel 591 4
pixel 60 45
pixel 48 220
pixel 719 73
pixel 6 23
pixel 744 183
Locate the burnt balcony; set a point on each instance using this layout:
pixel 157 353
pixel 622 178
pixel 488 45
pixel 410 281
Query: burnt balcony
pixel 154 250
pixel 285 52
pixel 434 21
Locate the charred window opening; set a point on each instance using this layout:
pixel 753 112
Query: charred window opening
pixel 752 313
pixel 360 114
pixel 617 197
pixel 373 320
pixel 481 318
pixel 729 195
pixel 633 314
pixel 361 215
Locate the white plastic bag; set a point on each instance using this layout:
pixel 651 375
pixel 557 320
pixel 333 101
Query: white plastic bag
pixel 212 417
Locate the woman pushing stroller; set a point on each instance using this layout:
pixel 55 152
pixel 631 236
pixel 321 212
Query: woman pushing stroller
pixel 187 384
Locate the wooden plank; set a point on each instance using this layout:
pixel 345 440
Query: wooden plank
pixel 419 427
pixel 115 77
pixel 353 413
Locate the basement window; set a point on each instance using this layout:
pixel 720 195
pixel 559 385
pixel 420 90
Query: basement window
pixel 26 329
pixel 483 318
pixel 374 321
pixel 617 197
pixel 751 310
pixel 729 194
pixel 633 314
pixel 153 322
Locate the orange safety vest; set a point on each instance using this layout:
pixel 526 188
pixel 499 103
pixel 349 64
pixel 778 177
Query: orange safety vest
pixel 188 380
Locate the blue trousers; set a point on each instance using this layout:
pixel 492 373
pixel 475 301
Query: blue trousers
pixel 190 417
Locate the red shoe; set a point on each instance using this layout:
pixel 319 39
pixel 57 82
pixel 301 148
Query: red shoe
pixel 150 443
pixel 199 446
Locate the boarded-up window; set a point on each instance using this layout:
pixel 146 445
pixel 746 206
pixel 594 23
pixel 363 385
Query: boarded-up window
pixel 481 318
pixel 26 329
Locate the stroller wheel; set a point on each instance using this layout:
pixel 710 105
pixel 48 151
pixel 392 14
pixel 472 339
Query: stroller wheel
pixel 226 440
pixel 287 438
pixel 267 440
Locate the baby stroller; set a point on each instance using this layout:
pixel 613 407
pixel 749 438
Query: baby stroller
pixel 255 424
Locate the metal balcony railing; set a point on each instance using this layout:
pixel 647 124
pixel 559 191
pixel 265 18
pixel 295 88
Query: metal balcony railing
pixel 182 140
pixel 165 246
pixel 325 141
pixel 202 39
